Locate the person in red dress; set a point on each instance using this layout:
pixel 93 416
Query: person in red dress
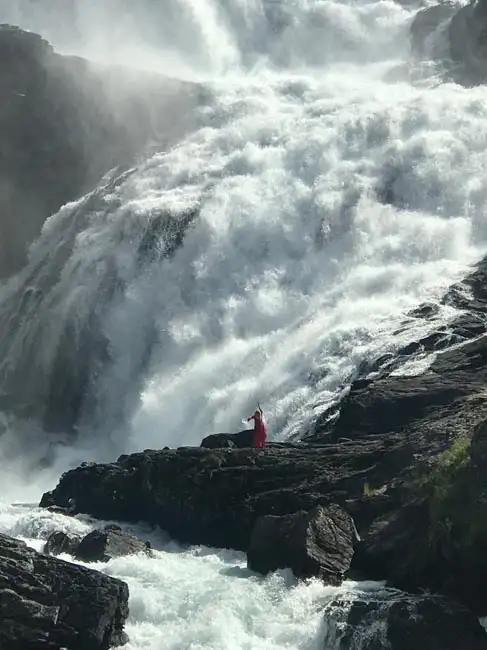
pixel 260 429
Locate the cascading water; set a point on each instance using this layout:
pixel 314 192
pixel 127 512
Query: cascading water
pixel 328 187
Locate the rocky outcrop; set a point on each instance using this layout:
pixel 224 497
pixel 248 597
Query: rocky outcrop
pixel 398 621
pixel 238 440
pixel 97 546
pixel 389 402
pixel 443 394
pixel 469 297
pixel 215 496
pixel 64 122
pixel 404 457
pixel 48 604
pixel 437 539
pixel 315 543
pixel 463 30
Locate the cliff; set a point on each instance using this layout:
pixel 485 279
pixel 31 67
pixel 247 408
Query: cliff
pixel 65 122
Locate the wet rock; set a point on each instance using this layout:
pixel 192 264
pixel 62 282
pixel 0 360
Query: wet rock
pixel 391 402
pixel 315 543
pixel 424 311
pixel 48 604
pixel 467 42
pixel 376 620
pixel 429 407
pixel 58 542
pixel 68 512
pixel 104 545
pixel 465 55
pixel 215 496
pixel 229 440
pixel 426 22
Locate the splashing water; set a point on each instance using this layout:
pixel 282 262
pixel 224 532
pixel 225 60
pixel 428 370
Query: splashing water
pixel 292 273
pixel 198 597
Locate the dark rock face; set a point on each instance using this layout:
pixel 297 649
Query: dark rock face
pixel 464 32
pixel 104 545
pixel 427 21
pixel 406 393
pixel 215 496
pixel 64 122
pixel 315 543
pixel 71 128
pixel 58 543
pixel 48 604
pixel 97 546
pixel 238 440
pixel 434 535
pixel 378 402
pixel 468 44
pixel 438 399
pixel 399 621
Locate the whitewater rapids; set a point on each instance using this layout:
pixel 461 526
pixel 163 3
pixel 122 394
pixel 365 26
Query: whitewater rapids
pixel 199 598
pixel 337 184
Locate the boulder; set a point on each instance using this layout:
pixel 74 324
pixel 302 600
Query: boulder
pixel 238 440
pixel 398 621
pixel 48 604
pixel 58 542
pixel 104 545
pixel 316 543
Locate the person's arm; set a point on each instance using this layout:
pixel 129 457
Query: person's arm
pixel 252 417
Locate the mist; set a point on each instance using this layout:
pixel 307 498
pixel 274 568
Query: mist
pixel 165 37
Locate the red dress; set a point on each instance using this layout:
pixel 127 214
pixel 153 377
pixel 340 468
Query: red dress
pixel 260 432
